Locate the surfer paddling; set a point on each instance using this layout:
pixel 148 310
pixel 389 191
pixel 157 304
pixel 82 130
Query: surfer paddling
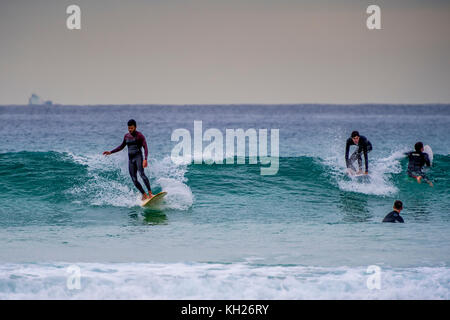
pixel 135 141
pixel 417 160
pixel 363 147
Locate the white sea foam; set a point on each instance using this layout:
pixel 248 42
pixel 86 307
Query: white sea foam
pixel 219 281
pixel 110 182
pixel 171 178
pixel 379 181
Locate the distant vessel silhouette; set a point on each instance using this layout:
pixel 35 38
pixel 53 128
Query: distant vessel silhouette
pixel 36 100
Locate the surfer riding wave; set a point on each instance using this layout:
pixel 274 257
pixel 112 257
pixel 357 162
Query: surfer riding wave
pixel 417 160
pixel 135 142
pixel 363 147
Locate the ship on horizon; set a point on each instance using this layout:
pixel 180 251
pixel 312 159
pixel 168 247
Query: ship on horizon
pixel 35 100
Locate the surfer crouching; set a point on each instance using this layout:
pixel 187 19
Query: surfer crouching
pixel 363 147
pixel 135 141
pixel 417 160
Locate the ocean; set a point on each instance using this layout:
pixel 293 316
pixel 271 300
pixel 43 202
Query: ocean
pixel 224 231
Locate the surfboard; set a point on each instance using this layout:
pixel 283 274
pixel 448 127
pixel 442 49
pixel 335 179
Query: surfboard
pixel 155 200
pixel 352 173
pixel 427 150
pixel 360 175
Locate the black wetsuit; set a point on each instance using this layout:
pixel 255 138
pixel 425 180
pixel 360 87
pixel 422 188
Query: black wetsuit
pixel 393 216
pixel 364 146
pixel 135 142
pixel 417 160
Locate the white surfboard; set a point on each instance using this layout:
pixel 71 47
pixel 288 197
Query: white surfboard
pixel 427 150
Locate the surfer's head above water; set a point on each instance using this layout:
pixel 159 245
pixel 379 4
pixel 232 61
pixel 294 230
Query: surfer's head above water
pixel 398 205
pixel 131 126
pixel 355 137
pixel 418 146
pixel 394 216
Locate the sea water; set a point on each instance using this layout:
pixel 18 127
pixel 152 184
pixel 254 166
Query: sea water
pixel 225 231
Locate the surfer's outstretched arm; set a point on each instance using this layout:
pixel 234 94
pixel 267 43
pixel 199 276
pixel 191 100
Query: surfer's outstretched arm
pixel 119 148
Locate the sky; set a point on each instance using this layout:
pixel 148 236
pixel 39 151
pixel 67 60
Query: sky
pixel 225 52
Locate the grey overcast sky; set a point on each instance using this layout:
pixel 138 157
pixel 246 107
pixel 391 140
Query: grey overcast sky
pixel 225 51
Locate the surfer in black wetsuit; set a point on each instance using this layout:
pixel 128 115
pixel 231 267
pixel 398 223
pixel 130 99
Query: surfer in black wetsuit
pixel 417 160
pixel 394 216
pixel 363 147
pixel 135 141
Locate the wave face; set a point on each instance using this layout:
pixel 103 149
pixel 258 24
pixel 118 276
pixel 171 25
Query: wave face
pixel 50 180
pixel 49 175
pixel 39 185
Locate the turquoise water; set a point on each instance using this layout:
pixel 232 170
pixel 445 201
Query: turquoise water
pixel 225 231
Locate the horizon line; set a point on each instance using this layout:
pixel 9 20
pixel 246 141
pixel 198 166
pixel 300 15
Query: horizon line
pixel 230 104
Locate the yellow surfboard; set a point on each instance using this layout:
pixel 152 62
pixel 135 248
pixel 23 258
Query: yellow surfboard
pixel 155 200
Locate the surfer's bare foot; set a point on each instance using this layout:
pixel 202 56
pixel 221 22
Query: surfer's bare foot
pixel 419 179
pixel 359 172
pixel 145 197
pixel 150 195
pixel 430 183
